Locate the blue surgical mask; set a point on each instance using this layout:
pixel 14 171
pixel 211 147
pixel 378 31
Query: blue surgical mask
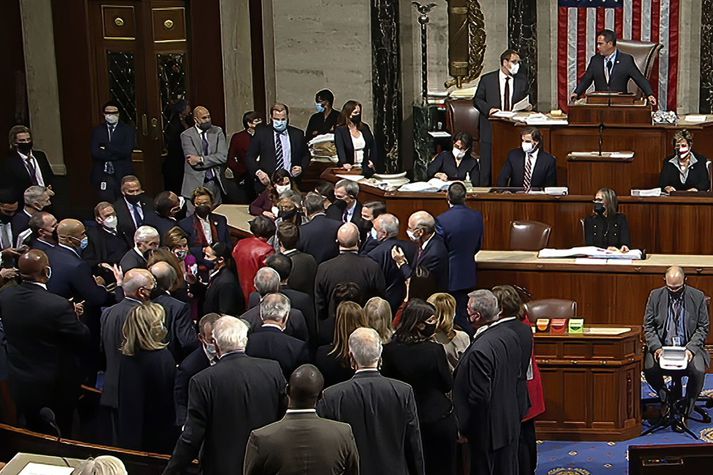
pixel 319 107
pixel 280 125
pixel 84 243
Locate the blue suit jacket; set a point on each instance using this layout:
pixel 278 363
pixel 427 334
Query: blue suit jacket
pixel 72 277
pixel 434 258
pixel 118 151
pixel 462 231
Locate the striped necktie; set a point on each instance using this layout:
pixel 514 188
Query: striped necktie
pixel 526 182
pixel 279 154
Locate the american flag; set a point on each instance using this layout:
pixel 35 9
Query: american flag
pixel 644 20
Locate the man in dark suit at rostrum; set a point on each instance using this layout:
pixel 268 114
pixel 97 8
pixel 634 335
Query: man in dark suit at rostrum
pixel 131 208
pixel 201 358
pixel 611 69
pixel 105 246
pixel 497 91
pixel 347 208
pixel 304 266
pixel 347 266
pixel 431 254
pixel 270 342
pixel 529 166
pixel 318 237
pixel 181 335
pixel 302 442
pixel 387 231
pixel 24 166
pixel 381 411
pixel 486 405
pixel 44 342
pixel 112 144
pixel 267 281
pixel 226 402
pixel 163 218
pixel 462 231
pixel 279 145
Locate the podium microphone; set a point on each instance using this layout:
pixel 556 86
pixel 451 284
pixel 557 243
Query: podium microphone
pixel 47 416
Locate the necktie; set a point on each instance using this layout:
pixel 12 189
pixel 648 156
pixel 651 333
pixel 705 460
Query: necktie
pixel 111 132
pixel 279 154
pixel 209 175
pixel 610 65
pixel 31 170
pixel 506 96
pixel 526 182
pixel 136 211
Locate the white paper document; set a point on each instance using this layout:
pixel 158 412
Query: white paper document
pixel 438 134
pixel 591 252
pixel 504 114
pixel 522 105
pixel 646 193
pixel 434 184
pixel 695 118
pixel 33 468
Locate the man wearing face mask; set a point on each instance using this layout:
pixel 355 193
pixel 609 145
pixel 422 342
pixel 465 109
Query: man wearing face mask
pixel 106 245
pixel 237 155
pixel 112 144
pixel 529 166
pixel 369 212
pixel 8 209
pixel 686 170
pixel 278 146
pixel 25 166
pixel 44 232
pixel 497 91
pixel 132 208
pixel 324 120
pixel 431 254
pixel 36 198
pixel 204 228
pixel 677 315
pixel 206 153
pixel 146 240
pixel 166 207
pixel 346 207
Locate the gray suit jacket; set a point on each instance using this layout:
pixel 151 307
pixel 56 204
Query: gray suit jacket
pixel 696 321
pixel 325 447
pixel 192 143
pixel 112 323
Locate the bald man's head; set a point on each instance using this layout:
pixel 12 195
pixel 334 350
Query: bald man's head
pixel 675 279
pixel 201 116
pixel 138 284
pixel 420 226
pixel 71 232
pixel 348 236
pixel 34 266
pixel 306 384
pixel 165 274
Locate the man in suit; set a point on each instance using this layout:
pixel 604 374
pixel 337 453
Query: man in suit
pixel 304 267
pixel 166 207
pixel 43 226
pixel 181 336
pixel 347 208
pixel 105 245
pixel 462 231
pixel 277 146
pixel 146 240
pixel 347 266
pixel 35 199
pixel 381 411
pixel 387 231
pixel 369 212
pixel 497 91
pixel 302 442
pixel 206 153
pixel 44 340
pixel 529 166
pixel 677 315
pixel 204 228
pixel 226 402
pixel 486 403
pixel 8 209
pixel 431 254
pixel 201 358
pixel 611 69
pixel 131 208
pixel 270 342
pixel 318 237
pixel 112 144
pixel 25 166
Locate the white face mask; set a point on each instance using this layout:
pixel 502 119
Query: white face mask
pixel 275 211
pixel 528 147
pixel 374 234
pixel 683 151
pixel 458 153
pixel 514 68
pixel 281 188
pixel 111 119
pixel 411 235
pixel 110 222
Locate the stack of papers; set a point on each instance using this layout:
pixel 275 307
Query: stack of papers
pixel 539 118
pixel 651 192
pixel 592 252
pixel 556 190
pixel 434 184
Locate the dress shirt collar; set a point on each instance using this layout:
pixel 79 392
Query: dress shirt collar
pixel 39 284
pixel 212 357
pixel 141 254
pixel 289 252
pixel 366 370
pixel 232 353
pixel 611 57
pixel 502 76
pixel 425 243
pixel 502 320
pixel 301 411
pixel 133 299
pixel 271 325
pixel 45 242
pixel 25 211
pixel 25 157
pixel 69 249
pixel 200 131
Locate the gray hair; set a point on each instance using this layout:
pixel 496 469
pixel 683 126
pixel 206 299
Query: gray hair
pixel 313 203
pixel 230 334
pixel 389 224
pixel 145 233
pixel 351 187
pixel 485 303
pixel 34 194
pixel 267 281
pixel 102 465
pixel 425 221
pixel 293 196
pixel 365 346
pixel 275 307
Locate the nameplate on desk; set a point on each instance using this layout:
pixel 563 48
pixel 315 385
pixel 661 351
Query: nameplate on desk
pixel 621 156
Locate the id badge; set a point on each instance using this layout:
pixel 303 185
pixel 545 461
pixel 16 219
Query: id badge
pixel 102 186
pixel 676 341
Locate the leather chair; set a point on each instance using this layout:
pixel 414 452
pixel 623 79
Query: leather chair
pixel 462 116
pixel 550 308
pixel 645 54
pixel 529 235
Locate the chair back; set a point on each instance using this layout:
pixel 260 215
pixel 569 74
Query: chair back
pixel 709 168
pixel 550 308
pixel 529 235
pixel 645 54
pixel 462 116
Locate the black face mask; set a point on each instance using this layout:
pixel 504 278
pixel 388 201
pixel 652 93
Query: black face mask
pixel 677 294
pixel 157 291
pixel 133 199
pixel 599 208
pixel 203 211
pixel 24 148
pixel 356 119
pixel 205 126
pixel 428 330
pixel 4 218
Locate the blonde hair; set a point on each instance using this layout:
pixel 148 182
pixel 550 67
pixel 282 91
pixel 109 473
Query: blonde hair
pixel 350 316
pixel 144 329
pixel 445 312
pixel 378 316
pixel 102 465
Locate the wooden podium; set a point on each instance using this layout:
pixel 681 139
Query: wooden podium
pixel 610 109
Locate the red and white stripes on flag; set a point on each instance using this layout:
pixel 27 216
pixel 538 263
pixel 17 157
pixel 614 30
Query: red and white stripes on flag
pixel 644 20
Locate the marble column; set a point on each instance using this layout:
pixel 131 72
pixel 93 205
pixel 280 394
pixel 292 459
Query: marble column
pixel 706 87
pixel 386 80
pixel 546 57
pixel 522 29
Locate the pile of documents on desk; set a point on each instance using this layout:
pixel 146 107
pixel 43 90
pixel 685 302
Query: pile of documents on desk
pixel 591 252
pixel 322 148
pixel 432 185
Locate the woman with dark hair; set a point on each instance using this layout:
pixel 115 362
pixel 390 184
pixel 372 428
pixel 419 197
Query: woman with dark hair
pixel 333 359
pixel 266 203
pixel 325 117
pixel 238 149
pixel 414 357
pixel 343 292
pixel 606 227
pixel 325 189
pixel 222 294
pixel 684 170
pixel 172 167
pixel 455 164
pixel 355 143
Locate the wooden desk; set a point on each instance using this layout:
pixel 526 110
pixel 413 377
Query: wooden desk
pixel 605 294
pixel 238 217
pixel 592 384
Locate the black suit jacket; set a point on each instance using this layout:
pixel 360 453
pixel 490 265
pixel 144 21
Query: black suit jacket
pixel 112 336
pixel 513 172
pixel 189 367
pixel 524 336
pixel 191 226
pixel 434 258
pixel 698 177
pixel 299 301
pixel 304 270
pixel 336 212
pixel 603 231
pixel 624 68
pixel 182 338
pixel 223 294
pixel 261 154
pixel 104 247
pixel 118 151
pixel 126 227
pixel 271 343
pixel 394 280
pixel 318 238
pixel 488 95
pixel 225 402
pixel 16 176
pixel 345 149
pixel 160 224
pixel 445 162
pixel 72 278
pixel 383 416
pixel 19 223
pixel 332 368
pixel 296 325
pixel 132 260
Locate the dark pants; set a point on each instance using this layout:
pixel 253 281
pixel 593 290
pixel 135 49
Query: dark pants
pixel 499 462
pixel 696 372
pixel 461 318
pixel 527 448
pixel 485 163
pixel 439 445
pixel 31 398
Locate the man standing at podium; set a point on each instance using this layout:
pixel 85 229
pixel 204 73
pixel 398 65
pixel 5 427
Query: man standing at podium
pixel 611 69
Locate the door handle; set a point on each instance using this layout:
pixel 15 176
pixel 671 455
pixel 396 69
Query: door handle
pixel 144 125
pixel 154 128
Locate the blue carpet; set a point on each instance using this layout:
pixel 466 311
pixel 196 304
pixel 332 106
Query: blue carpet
pixel 585 458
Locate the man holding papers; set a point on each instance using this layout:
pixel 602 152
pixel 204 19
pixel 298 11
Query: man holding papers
pixel 497 91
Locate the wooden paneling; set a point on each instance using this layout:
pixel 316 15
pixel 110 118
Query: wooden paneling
pixel 169 24
pixel 119 22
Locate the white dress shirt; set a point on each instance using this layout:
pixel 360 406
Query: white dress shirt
pixel 286 148
pixel 502 76
pixel 612 58
pixel 38 173
pixel 205 226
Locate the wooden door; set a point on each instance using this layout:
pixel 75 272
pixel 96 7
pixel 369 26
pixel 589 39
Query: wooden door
pixel 141 61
